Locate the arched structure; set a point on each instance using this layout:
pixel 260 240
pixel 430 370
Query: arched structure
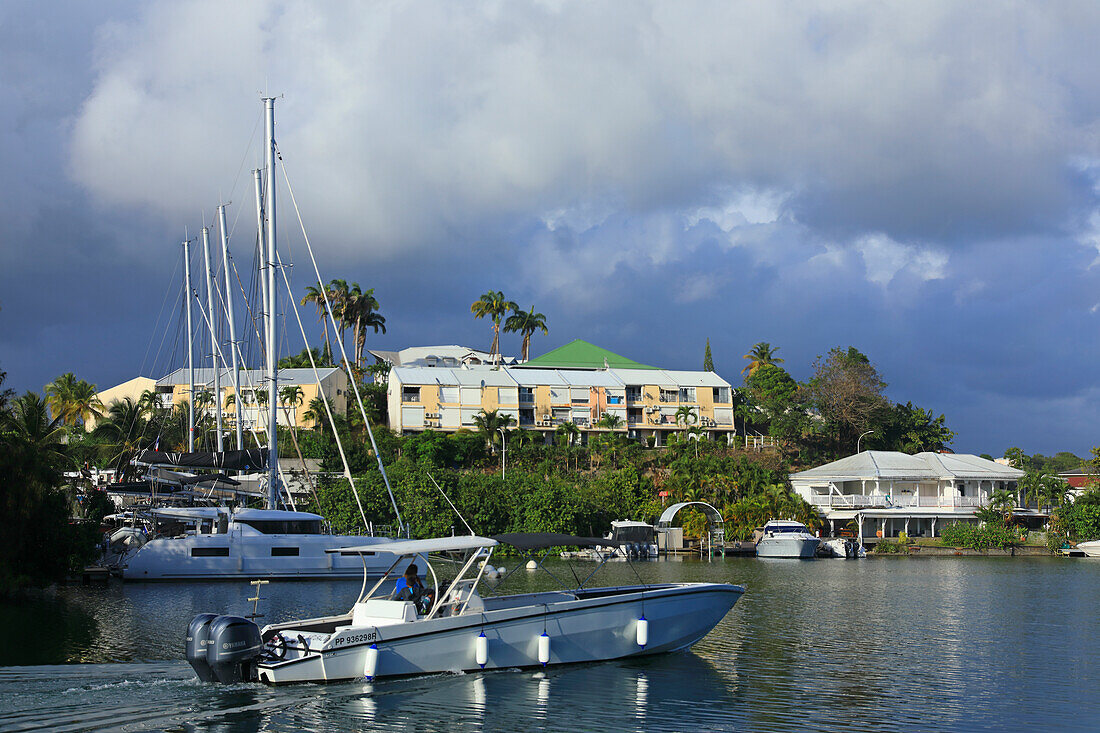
pixel 715 524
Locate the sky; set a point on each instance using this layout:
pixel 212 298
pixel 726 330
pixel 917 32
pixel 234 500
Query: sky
pixel 918 180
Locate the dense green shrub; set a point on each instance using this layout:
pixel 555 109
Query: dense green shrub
pixel 981 537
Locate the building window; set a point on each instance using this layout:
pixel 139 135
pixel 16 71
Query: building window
pixel 722 394
pixel 633 415
pixel 527 394
pixel 633 393
pixel 410 394
pixel 687 394
pixel 669 395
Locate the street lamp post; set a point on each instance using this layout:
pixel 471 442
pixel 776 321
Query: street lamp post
pixel 861 438
pixel 503 451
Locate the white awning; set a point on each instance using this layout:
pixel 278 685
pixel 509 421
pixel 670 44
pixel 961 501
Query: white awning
pixel 423 547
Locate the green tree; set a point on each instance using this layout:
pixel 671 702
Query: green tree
pixel 762 354
pixel 708 360
pixel 847 392
pixel 526 323
pixel 912 429
pixel 73 400
pixel 493 305
pixel 315 294
pixel 686 415
pixel 609 421
pixel 489 423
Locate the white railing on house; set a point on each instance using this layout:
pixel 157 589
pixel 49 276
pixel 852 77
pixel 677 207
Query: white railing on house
pixel 873 501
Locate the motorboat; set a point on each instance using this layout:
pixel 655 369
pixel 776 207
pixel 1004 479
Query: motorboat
pixel 844 547
pixel 633 540
pixel 786 538
pixel 216 543
pixel 454 627
pixel 1090 548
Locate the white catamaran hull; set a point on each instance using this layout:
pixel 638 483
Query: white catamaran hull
pixel 236 556
pixel 1091 548
pixel 597 624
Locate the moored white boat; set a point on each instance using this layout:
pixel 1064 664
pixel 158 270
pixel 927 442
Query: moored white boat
pixel 786 538
pixel 1090 548
pixel 462 630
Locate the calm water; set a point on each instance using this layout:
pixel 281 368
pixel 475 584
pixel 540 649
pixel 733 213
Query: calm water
pixel 877 644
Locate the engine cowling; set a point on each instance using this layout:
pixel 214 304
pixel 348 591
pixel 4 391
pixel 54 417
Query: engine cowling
pixel 198 637
pixel 233 649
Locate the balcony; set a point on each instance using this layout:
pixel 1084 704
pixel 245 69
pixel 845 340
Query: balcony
pixel 901 501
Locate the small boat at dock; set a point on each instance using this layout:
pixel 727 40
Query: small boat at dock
pixel 788 539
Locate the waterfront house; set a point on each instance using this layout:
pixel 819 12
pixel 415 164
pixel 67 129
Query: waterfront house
pixel 887 492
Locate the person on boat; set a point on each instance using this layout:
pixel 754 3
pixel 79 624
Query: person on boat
pixel 409 587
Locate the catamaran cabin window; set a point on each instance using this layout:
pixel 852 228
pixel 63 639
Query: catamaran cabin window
pixel 305 526
pixel 284 552
pixel 209 552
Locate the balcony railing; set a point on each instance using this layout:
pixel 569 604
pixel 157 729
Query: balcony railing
pixel 881 501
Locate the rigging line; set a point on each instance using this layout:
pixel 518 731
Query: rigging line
pixel 160 313
pixel 324 401
pixel 343 351
pixel 247 150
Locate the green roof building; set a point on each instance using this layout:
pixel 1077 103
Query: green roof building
pixel 579 354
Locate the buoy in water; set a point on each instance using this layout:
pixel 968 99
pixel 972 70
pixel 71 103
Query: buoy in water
pixel 371 665
pixel 481 649
pixel 532 565
pixel 642 632
pixel 544 649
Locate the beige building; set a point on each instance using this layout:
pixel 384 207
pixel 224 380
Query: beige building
pixel 173 389
pixel 578 384
pixel 132 389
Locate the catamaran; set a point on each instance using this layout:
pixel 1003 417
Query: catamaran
pixel 456 628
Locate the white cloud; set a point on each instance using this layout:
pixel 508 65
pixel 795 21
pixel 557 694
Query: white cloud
pixel 884 259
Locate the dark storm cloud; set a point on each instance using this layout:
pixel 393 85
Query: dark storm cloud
pixel 917 180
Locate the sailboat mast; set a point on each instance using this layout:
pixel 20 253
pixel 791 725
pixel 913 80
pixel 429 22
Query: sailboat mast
pixel 213 335
pixel 261 240
pixel 272 362
pixel 232 327
pixel 190 348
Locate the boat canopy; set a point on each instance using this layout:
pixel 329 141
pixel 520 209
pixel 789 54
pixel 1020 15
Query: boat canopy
pixel 274 515
pixel 253 459
pixel 544 540
pixel 423 547
pixel 188 513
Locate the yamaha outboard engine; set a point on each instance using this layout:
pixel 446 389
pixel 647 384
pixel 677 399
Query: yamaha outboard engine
pixel 233 649
pixel 198 636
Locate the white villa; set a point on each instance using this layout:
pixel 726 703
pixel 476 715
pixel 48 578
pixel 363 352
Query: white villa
pixel 888 492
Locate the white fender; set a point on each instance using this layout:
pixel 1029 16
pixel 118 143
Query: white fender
pixel 481 649
pixel 370 667
pixel 544 649
pixel 643 632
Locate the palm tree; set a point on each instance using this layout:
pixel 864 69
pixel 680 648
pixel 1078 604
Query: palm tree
pixel 762 354
pixel 568 432
pixel 526 323
pixel 316 412
pixel 30 420
pixel 489 422
pixel 72 400
pixel 609 421
pixel 695 434
pixel 1002 501
pixel 687 415
pixel 493 305
pixel 316 294
pixel 364 306
pixel 338 296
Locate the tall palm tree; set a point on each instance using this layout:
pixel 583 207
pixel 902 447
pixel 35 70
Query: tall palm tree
pixel 569 432
pixel 364 306
pixel 316 412
pixel 72 400
pixel 338 296
pixel 315 294
pixel 489 422
pixel 609 421
pixel 762 354
pixel 526 323
pixel 30 420
pixel 493 305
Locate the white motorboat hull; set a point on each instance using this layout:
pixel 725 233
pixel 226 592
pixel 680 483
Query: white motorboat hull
pixel 787 546
pixel 1091 548
pixel 249 556
pixel 595 625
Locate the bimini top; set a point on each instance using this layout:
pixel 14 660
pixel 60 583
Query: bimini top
pixel 423 547
pixel 544 540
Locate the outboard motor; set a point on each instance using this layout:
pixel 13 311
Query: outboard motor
pixel 233 649
pixel 198 636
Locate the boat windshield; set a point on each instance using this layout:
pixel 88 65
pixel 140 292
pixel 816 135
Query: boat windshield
pixel 788 528
pixel 283 526
pixel 635 533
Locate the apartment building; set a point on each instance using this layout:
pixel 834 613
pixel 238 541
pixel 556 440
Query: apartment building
pixel 578 383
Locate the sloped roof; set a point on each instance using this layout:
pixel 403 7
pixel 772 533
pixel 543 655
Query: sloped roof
pixel 963 465
pixel 871 464
pixel 893 465
pixel 642 377
pixel 697 379
pixel 249 377
pixel 579 354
